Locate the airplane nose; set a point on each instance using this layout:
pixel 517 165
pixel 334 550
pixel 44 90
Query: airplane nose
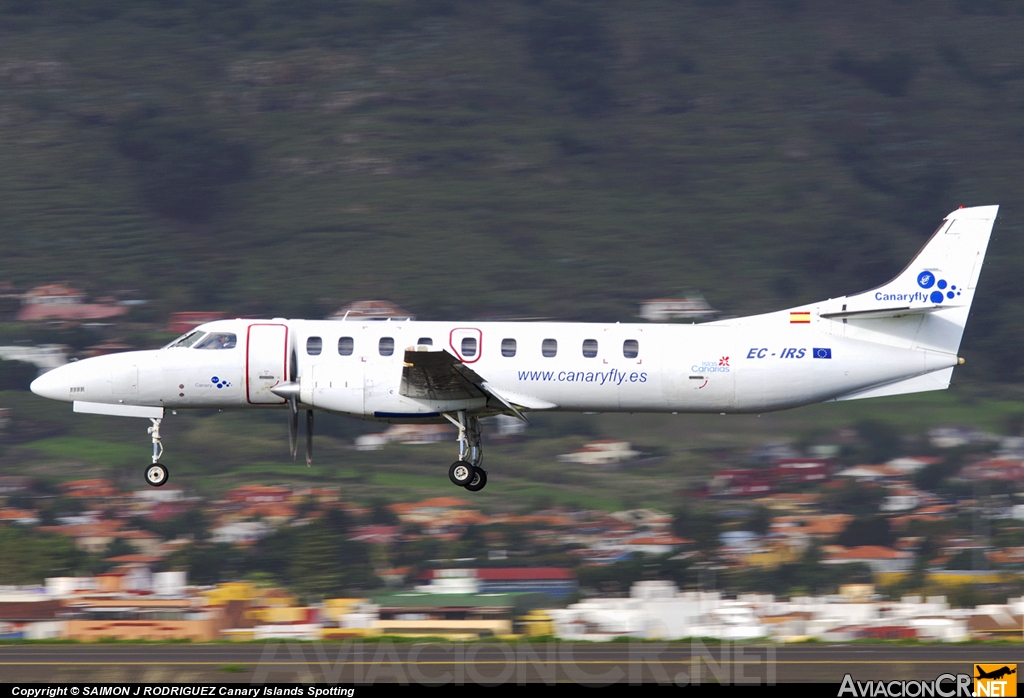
pixel 54 385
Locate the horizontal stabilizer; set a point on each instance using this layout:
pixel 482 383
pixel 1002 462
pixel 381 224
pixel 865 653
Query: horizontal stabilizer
pixel 879 313
pixel 936 380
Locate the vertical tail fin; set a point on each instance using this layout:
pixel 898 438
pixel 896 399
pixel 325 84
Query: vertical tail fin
pixel 939 283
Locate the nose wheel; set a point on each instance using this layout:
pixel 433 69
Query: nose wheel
pixel 156 474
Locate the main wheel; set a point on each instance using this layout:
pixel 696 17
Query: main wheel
pixel 461 473
pixel 479 480
pixel 156 475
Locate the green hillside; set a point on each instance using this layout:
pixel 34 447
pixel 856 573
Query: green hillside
pixel 535 158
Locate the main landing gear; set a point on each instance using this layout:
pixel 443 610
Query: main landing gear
pixel 156 474
pixel 466 471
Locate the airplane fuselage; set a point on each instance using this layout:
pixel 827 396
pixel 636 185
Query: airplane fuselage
pixel 354 367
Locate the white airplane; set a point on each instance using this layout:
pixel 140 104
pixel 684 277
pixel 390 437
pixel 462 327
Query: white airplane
pixel 901 337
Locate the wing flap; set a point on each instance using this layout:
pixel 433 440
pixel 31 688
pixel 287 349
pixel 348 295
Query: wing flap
pixel 437 375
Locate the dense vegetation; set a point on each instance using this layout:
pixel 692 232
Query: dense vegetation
pixel 543 157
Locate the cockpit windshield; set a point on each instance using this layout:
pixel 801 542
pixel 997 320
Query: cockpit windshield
pixel 186 340
pixel 218 340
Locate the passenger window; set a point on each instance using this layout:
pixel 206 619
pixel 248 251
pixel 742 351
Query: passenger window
pixel 386 346
pixel 345 346
pixel 590 348
pixel 218 340
pixel 425 341
pixel 508 347
pixel 314 345
pixel 631 348
pixel 549 347
pixel 469 347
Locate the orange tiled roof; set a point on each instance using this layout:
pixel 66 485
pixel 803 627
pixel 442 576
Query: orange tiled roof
pixel 442 502
pixel 12 513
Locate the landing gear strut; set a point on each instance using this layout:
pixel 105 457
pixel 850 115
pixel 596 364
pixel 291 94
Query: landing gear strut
pixel 467 471
pixel 156 474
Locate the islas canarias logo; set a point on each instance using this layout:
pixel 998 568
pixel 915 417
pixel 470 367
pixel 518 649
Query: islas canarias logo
pixel 995 680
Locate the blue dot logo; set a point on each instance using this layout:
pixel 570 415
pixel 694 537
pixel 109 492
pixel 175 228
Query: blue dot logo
pixel 220 383
pixel 927 279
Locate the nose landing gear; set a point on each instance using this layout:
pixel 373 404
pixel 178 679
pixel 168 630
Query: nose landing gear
pixel 466 471
pixel 156 474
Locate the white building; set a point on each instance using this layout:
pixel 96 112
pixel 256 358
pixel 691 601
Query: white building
pixel 45 357
pixel 241 532
pixel 691 308
pixel 604 452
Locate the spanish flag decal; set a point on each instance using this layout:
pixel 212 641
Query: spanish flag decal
pixel 803 316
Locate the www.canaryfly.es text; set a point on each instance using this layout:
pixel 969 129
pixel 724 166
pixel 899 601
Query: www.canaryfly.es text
pixel 612 377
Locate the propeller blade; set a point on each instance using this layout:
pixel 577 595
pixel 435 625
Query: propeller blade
pixel 309 438
pixel 293 427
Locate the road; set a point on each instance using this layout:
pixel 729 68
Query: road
pixel 493 662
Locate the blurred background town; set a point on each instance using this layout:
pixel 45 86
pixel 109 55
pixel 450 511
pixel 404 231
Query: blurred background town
pixel 169 163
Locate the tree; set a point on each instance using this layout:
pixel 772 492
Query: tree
pixel 882 440
pixel 207 563
pixel 569 41
pixel 701 527
pixel 27 557
pixel 183 168
pixel 317 567
pixel 16 375
pixel 855 498
pixel 760 521
pixel 867 530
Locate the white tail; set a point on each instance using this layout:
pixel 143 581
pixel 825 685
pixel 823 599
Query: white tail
pixel 938 284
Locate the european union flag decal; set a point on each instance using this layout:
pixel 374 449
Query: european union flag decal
pixel 821 353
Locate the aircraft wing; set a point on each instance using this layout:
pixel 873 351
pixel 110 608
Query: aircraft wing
pixel 438 375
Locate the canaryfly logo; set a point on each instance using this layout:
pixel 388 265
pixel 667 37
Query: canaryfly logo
pixel 612 377
pixel 933 289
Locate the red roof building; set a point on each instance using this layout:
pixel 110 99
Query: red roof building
pixel 180 323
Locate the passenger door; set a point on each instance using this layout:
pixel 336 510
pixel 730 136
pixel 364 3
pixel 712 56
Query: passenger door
pixel 266 362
